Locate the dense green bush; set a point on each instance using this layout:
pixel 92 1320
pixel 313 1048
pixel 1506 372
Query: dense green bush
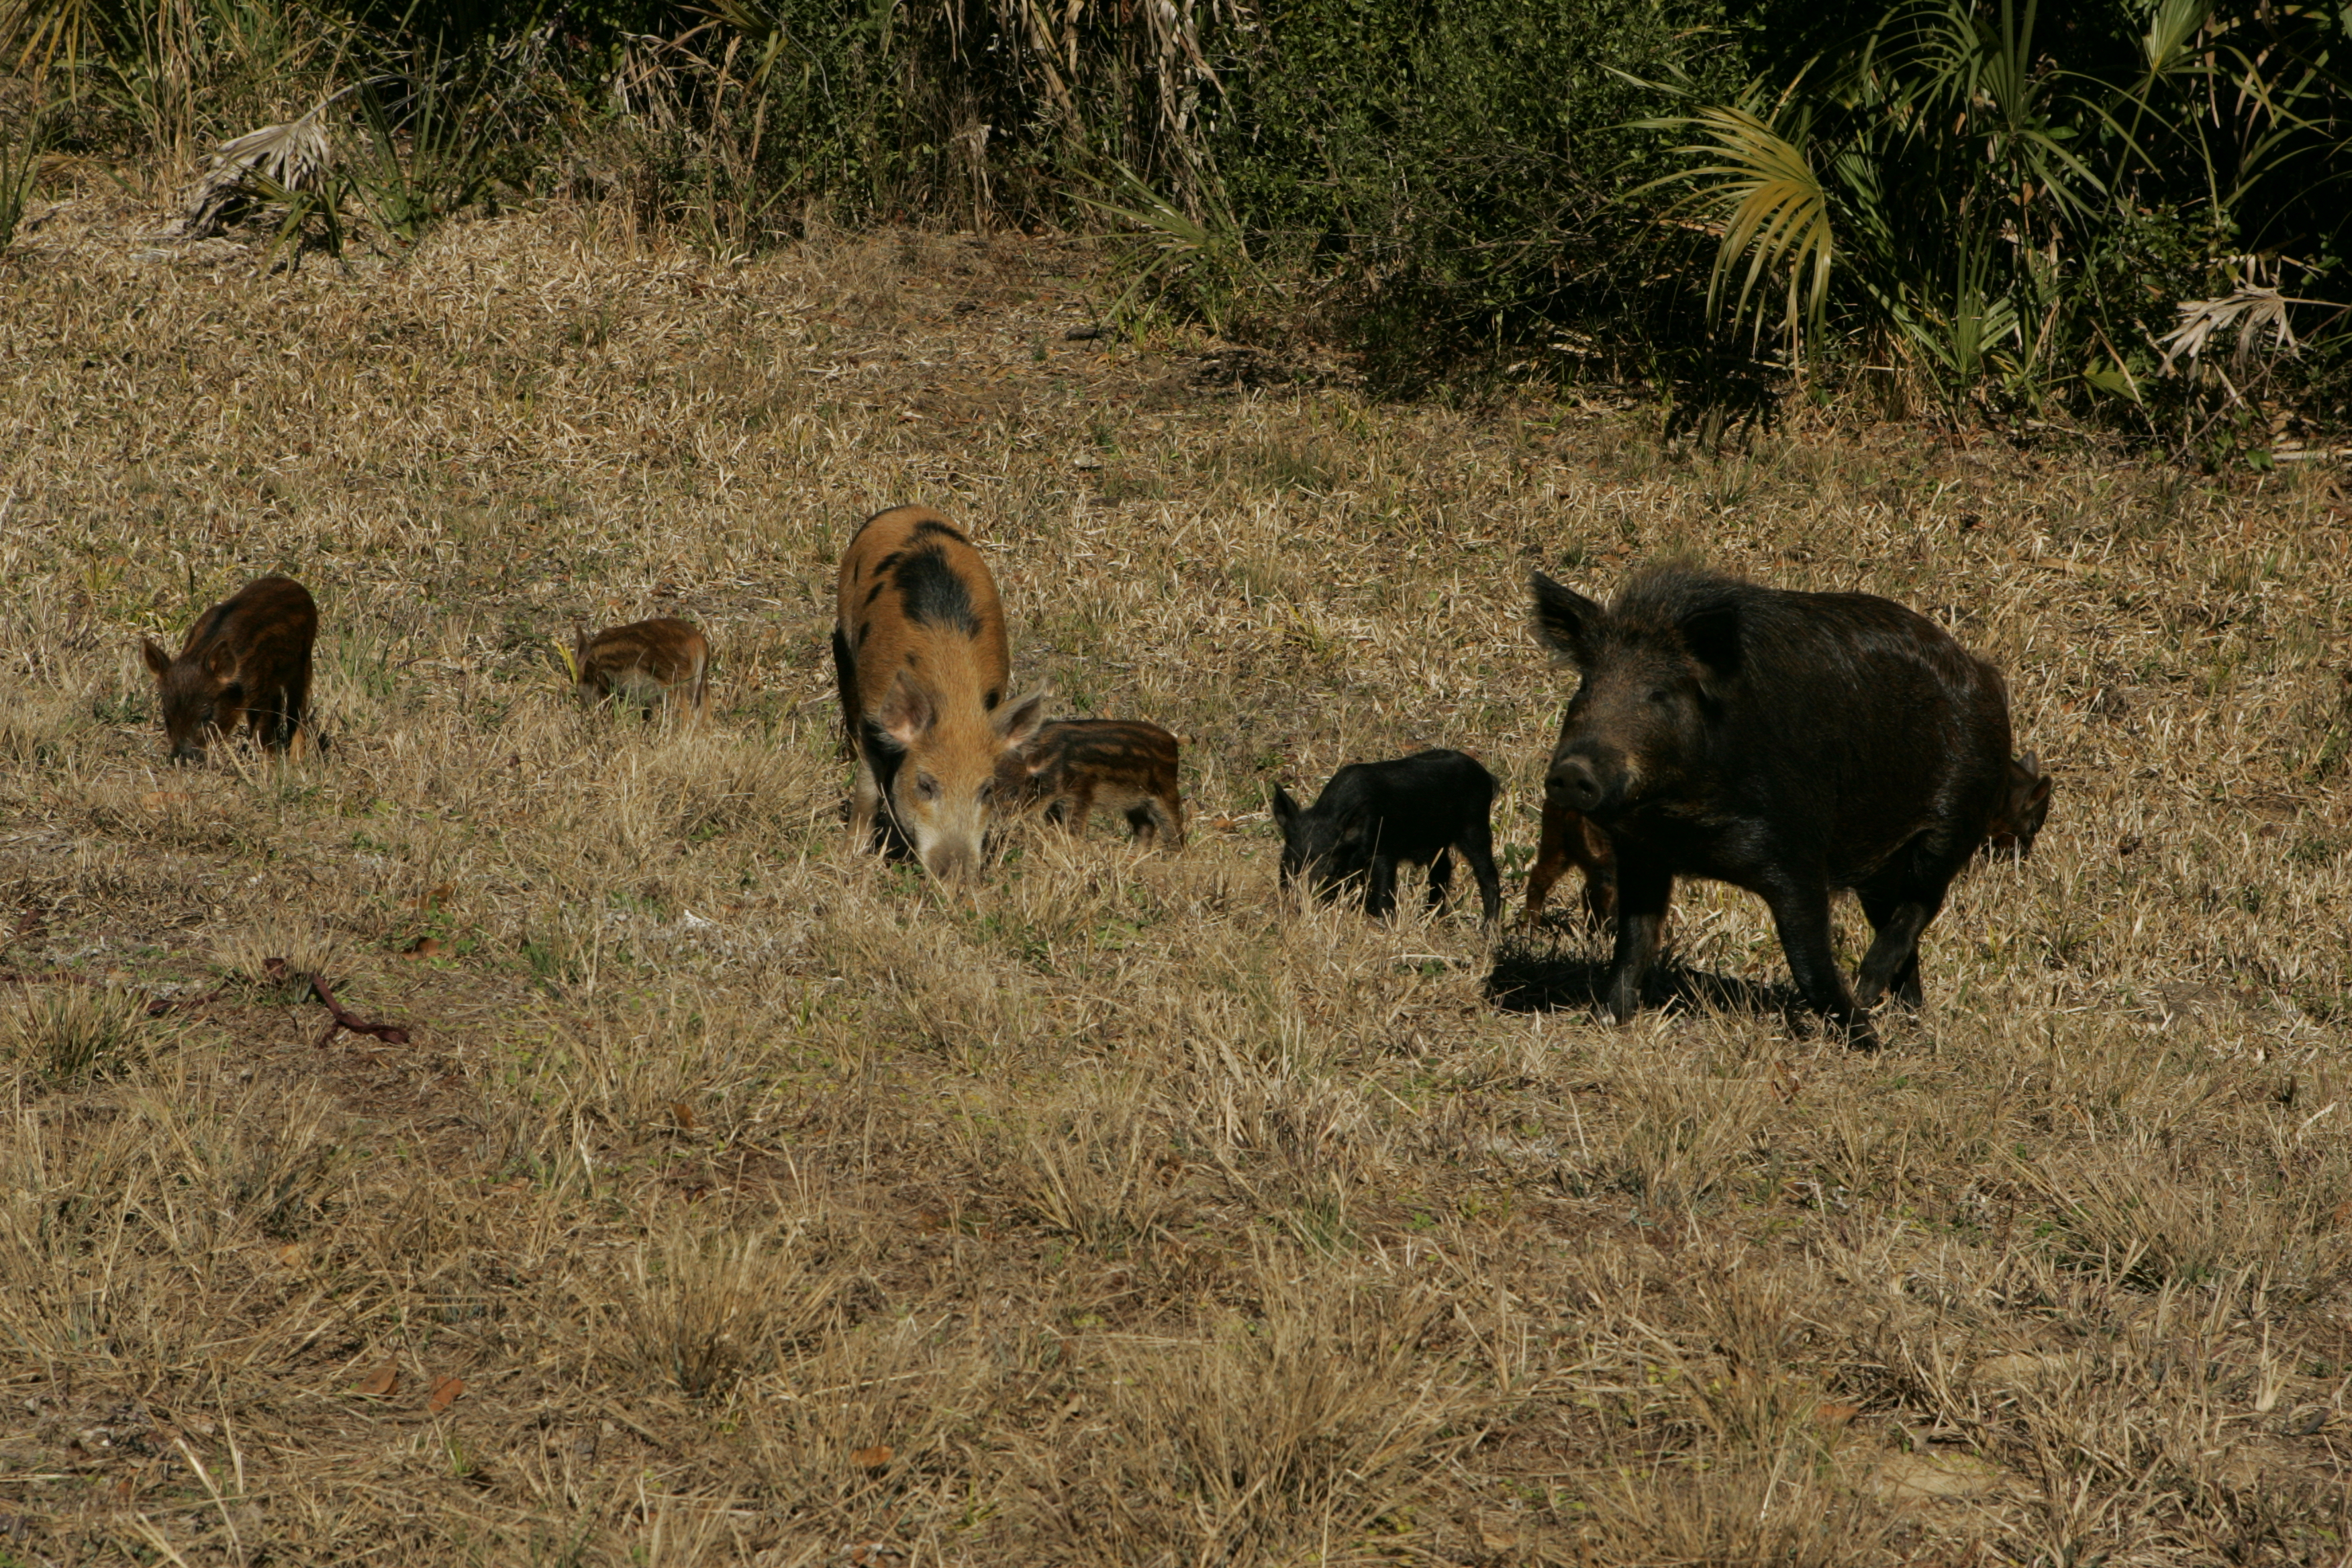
pixel 1462 166
pixel 1997 207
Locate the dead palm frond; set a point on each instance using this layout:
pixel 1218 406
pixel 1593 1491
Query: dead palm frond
pixel 2249 310
pixel 260 165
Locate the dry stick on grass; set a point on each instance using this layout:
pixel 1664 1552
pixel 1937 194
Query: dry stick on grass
pixel 390 1034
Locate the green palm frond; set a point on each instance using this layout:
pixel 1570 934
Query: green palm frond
pixel 1759 183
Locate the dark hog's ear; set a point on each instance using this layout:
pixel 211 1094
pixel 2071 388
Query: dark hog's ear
pixel 1712 635
pixel 157 659
pixel 1566 621
pixel 1356 826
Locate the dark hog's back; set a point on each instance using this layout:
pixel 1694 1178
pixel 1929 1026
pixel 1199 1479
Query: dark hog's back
pixel 1842 724
pixel 1870 724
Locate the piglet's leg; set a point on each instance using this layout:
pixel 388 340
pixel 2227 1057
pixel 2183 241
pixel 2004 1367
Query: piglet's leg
pixel 1477 846
pixel 1800 912
pixel 1551 855
pixel 1642 893
pixel 1440 879
pixel 1380 887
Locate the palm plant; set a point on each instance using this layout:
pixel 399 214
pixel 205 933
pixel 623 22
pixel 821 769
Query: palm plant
pixel 1948 183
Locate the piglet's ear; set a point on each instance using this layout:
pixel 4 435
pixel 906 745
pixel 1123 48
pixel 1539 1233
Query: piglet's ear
pixel 1713 637
pixel 221 662
pixel 2038 792
pixel 1285 810
pixel 157 659
pixel 1566 621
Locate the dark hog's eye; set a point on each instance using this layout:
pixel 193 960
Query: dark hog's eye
pixel 927 787
pixel 1660 696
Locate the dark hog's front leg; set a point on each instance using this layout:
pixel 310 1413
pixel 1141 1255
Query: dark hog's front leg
pixel 1643 891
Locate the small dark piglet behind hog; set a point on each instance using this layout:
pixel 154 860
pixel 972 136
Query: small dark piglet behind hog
pixel 1074 767
pixel 1423 809
pixel 246 661
pixel 1788 743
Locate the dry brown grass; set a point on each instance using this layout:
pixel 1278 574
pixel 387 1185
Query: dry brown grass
pixel 771 1204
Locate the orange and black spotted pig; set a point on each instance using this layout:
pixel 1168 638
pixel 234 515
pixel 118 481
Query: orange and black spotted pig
pixel 919 651
pixel 647 664
pixel 247 662
pixel 1075 767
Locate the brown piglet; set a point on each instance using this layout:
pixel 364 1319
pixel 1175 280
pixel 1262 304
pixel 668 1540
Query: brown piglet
pixel 649 664
pixel 247 662
pixel 1568 840
pixel 922 662
pixel 1076 766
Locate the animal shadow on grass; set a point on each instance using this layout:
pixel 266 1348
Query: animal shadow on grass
pixel 1540 978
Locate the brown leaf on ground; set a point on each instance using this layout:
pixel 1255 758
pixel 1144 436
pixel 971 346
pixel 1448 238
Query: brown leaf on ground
pixel 874 1458
pixel 444 1393
pixel 426 947
pixel 382 1380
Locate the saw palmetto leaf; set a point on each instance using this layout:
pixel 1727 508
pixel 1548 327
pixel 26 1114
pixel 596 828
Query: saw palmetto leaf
pixel 1758 184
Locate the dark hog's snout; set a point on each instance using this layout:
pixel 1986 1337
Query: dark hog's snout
pixel 1593 779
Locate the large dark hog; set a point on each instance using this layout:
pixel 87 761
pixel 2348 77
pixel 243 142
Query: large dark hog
pixel 247 663
pixel 1792 744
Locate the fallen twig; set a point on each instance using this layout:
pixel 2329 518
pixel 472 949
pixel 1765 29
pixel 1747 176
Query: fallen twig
pixel 390 1034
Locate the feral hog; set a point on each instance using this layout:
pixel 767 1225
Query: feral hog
pixel 646 664
pixel 248 661
pixel 920 652
pixel 1074 767
pixel 1568 840
pixel 1788 743
pixel 2024 807
pixel 1422 809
